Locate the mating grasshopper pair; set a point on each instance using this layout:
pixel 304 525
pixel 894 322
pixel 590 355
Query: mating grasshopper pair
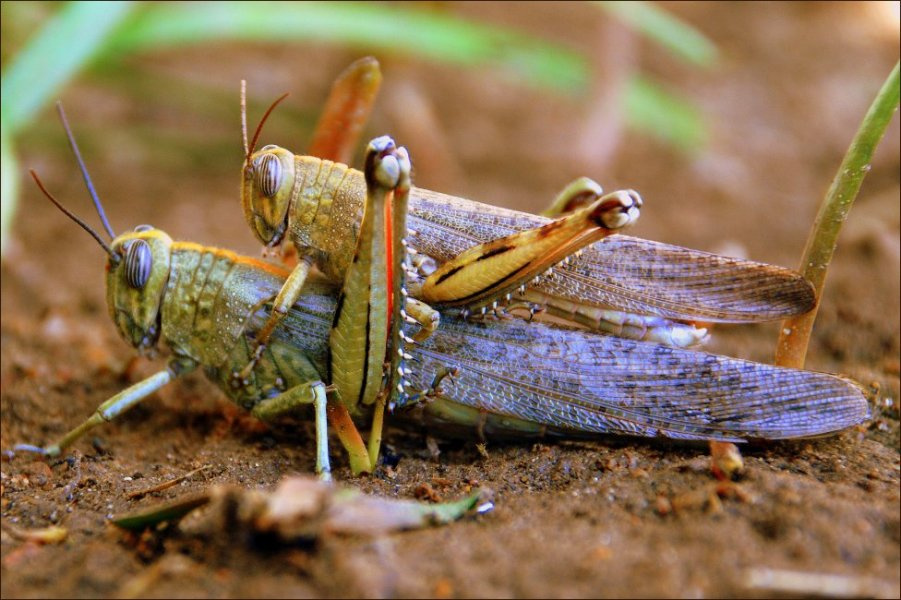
pixel 273 347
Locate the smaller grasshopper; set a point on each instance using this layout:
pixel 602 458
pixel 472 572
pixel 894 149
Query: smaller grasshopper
pixel 473 258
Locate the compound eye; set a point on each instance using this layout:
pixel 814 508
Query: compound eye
pixel 138 263
pixel 268 172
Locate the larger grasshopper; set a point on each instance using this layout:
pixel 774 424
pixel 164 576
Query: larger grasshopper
pixel 208 305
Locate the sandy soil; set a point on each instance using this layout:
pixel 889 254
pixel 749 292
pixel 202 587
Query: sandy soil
pixel 596 518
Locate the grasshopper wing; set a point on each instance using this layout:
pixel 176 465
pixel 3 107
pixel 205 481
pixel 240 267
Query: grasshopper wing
pixel 574 382
pixel 621 272
pixel 581 382
pixel 646 277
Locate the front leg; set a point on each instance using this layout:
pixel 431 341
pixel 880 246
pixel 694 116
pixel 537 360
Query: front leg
pixel 490 272
pixel 287 296
pixel 116 406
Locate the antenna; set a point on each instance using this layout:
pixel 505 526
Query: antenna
pixel 256 134
pixel 84 173
pixel 113 256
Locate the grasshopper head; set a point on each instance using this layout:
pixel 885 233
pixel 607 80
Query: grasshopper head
pixel 266 192
pixel 136 277
pixel 137 269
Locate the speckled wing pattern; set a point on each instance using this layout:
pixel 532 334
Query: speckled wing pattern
pixel 575 381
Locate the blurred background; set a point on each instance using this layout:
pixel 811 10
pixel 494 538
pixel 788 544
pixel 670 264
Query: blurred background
pixel 729 118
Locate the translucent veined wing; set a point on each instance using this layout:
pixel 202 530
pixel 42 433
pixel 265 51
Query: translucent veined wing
pixel 582 382
pixel 622 272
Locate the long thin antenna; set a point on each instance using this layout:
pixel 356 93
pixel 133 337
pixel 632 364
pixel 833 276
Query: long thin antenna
pixel 84 171
pixel 115 257
pixel 256 135
pixel 244 116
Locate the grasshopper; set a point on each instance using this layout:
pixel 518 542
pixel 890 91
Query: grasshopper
pixel 512 377
pixel 472 257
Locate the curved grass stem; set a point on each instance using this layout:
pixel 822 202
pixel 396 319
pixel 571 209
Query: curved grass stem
pixel 795 333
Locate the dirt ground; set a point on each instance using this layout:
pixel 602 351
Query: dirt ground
pixel 596 518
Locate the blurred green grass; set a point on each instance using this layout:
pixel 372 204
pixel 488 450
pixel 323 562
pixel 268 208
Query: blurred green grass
pixel 82 34
pixel 678 37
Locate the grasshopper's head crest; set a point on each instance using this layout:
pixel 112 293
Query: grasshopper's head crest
pixel 136 284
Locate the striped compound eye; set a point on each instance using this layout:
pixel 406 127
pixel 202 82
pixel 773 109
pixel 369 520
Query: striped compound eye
pixel 138 263
pixel 268 174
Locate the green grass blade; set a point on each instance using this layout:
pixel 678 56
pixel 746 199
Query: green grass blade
pixel 795 333
pixel 655 112
pixel 678 37
pixel 9 186
pixel 427 34
pixel 49 59
pixel 169 511
pixel 64 45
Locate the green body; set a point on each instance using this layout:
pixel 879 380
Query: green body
pixel 204 300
